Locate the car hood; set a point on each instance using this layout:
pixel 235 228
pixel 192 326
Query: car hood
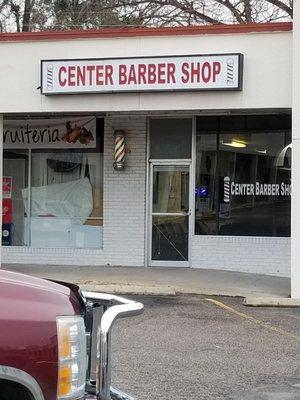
pixel 15 286
pixel 15 278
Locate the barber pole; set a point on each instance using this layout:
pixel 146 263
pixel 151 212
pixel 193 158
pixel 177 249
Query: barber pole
pixel 230 72
pixel 50 77
pixel 226 189
pixel 119 150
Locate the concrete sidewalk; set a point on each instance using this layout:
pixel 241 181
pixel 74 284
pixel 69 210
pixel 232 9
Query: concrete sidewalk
pixel 165 281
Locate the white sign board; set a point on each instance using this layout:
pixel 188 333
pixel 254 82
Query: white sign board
pixel 192 72
pixel 69 133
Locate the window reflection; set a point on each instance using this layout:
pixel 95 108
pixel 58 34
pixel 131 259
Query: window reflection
pixel 170 138
pixel 206 184
pixel 52 196
pixel 170 189
pixel 170 220
pixel 258 204
pixel 15 174
pixel 65 199
pixel 243 182
pixel 170 238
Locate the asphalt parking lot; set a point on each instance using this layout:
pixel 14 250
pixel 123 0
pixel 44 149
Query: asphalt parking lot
pixel 208 348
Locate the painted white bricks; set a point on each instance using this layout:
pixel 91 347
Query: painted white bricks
pixel 260 255
pixel 124 207
pixel 124 194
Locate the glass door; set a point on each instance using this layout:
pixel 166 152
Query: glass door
pixel 170 214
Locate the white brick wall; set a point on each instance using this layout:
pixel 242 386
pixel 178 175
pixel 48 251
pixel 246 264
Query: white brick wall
pixel 124 194
pixel 124 208
pixel 261 255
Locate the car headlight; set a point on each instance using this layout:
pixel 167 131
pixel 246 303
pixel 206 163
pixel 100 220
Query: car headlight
pixel 72 357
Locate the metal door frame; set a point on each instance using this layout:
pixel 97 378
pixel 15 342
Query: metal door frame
pixel 165 263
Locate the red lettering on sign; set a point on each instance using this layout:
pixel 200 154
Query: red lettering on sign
pixel 80 76
pixel 216 69
pixel 62 81
pixel 151 74
pixel 99 75
pixel 185 73
pixel 90 69
pixel 71 75
pixel 171 73
pixel 131 77
pixel 206 72
pixel 142 74
pixel 160 73
pixel 195 72
pixel 161 78
pixel 122 74
pixel 108 75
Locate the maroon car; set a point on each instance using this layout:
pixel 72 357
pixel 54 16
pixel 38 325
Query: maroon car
pixel 55 340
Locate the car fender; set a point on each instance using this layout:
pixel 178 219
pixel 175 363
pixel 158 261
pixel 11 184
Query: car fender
pixel 23 378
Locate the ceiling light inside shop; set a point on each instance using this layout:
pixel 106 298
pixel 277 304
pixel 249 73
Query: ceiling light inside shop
pixel 235 143
pixel 261 151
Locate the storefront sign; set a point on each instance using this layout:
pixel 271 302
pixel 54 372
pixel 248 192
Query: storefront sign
pixel 71 133
pixel 194 72
pixel 255 189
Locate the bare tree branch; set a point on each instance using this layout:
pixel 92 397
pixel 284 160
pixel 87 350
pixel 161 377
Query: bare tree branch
pixel 233 9
pixel 284 7
pixel 17 15
pixel 15 9
pixel 27 15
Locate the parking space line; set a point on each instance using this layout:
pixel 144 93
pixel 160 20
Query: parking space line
pixel 255 320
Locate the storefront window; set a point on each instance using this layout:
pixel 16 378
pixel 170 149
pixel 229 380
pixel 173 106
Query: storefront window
pixel 15 179
pixel 243 176
pixel 206 184
pixel 57 190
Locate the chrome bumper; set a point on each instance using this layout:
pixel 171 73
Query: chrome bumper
pixel 114 393
pixel 109 308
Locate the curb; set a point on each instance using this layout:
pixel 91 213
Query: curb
pixel 209 292
pixel 165 290
pixel 129 289
pixel 271 302
pixel 159 290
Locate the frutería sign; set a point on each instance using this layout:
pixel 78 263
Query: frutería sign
pixel 69 133
pixel 171 73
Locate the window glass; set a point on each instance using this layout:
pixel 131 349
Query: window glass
pixel 15 174
pixel 206 185
pixel 258 203
pixel 170 237
pixel 170 189
pixel 61 203
pixel 66 199
pixel 170 138
pixel 243 177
